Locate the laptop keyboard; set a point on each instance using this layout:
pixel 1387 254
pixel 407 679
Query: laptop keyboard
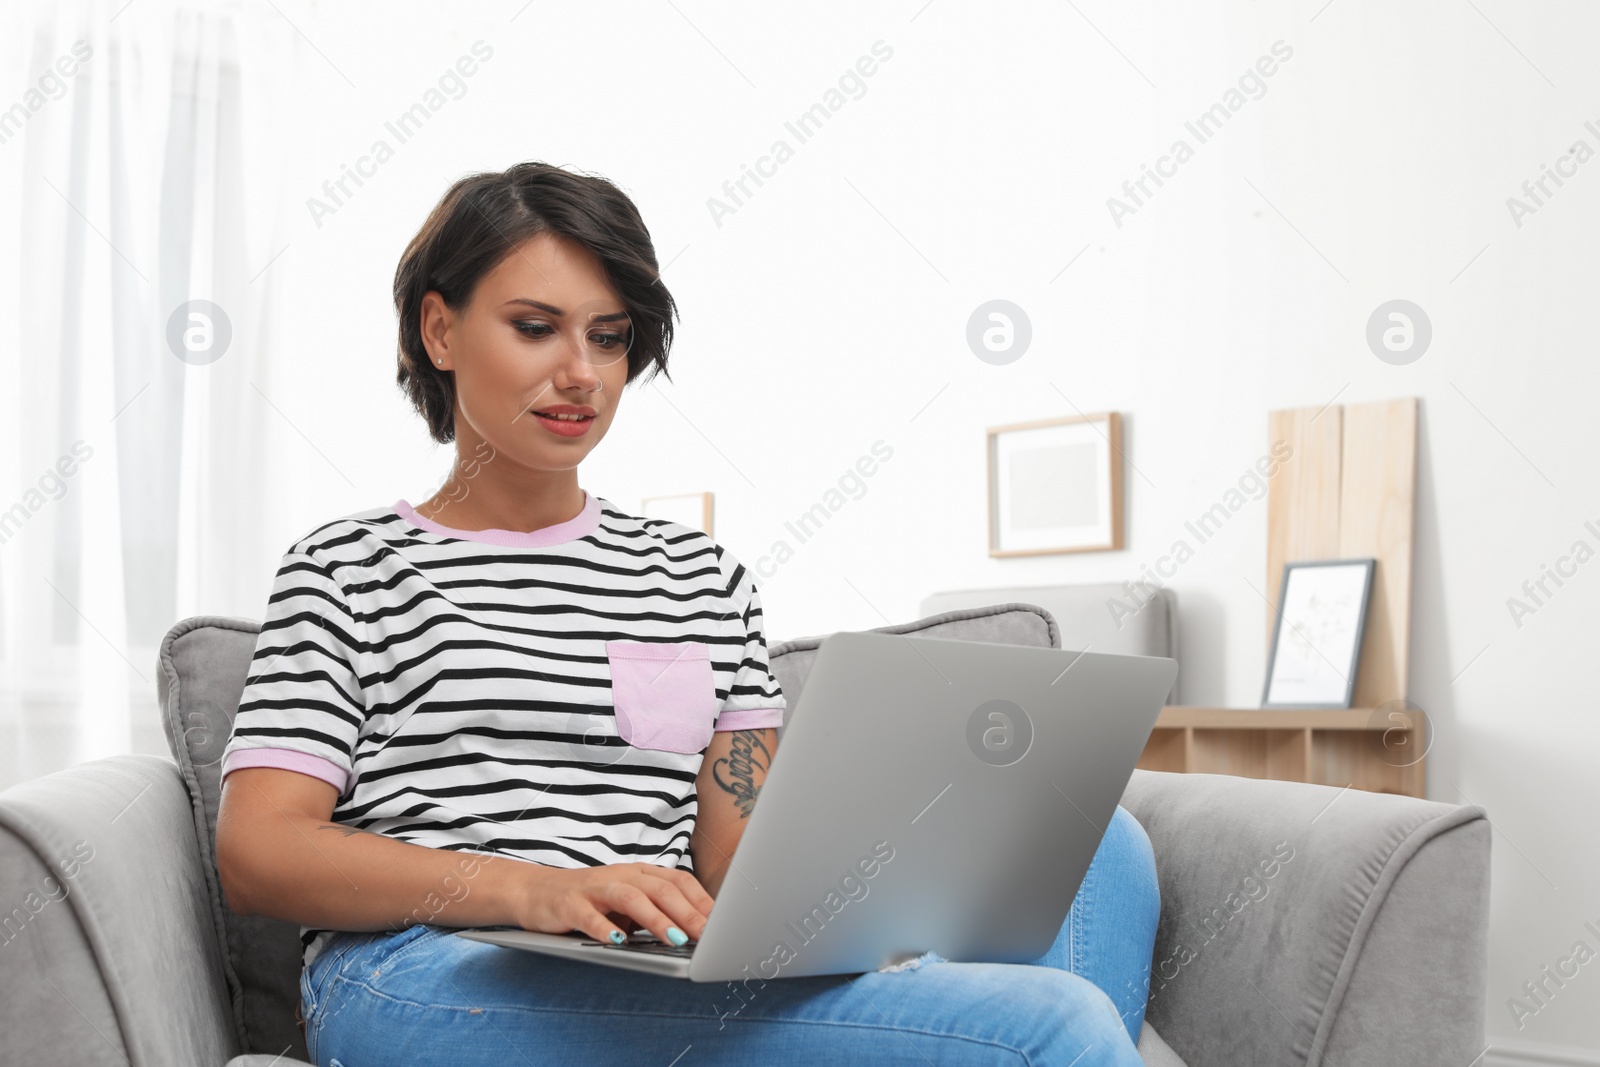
pixel 657 948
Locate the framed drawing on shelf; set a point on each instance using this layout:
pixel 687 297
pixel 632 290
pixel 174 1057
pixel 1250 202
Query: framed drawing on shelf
pixel 686 509
pixel 1055 485
pixel 1316 639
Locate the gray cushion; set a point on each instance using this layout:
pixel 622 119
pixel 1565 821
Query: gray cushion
pixel 1013 624
pixel 1152 1050
pixel 204 661
pixel 1366 944
pixel 1146 624
pixel 107 955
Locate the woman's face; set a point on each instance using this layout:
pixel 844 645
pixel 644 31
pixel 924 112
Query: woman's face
pixel 544 329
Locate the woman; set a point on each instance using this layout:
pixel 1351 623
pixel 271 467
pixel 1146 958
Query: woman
pixel 516 704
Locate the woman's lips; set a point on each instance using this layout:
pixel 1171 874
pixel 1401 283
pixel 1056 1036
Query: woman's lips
pixel 564 427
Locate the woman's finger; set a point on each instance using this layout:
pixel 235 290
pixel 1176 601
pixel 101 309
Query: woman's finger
pixel 690 886
pixel 631 899
pixel 598 925
pixel 672 900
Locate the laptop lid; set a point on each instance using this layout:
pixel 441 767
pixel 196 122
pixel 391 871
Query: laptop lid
pixel 930 794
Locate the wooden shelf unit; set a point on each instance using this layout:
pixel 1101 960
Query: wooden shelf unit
pixel 1346 490
pixel 1361 747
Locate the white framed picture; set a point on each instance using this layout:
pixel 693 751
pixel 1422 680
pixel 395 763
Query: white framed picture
pixel 1316 639
pixel 686 509
pixel 1056 485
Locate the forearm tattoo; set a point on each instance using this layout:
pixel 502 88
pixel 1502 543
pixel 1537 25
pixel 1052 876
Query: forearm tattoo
pixel 749 754
pixel 347 830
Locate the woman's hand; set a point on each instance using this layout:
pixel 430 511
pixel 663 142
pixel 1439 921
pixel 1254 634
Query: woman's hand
pixel 557 900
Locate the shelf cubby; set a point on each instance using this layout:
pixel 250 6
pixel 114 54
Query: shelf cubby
pixel 1356 747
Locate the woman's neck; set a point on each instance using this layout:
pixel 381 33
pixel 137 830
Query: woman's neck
pixel 473 504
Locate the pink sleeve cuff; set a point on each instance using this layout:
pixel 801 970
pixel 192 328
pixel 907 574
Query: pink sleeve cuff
pixel 749 719
pixel 288 759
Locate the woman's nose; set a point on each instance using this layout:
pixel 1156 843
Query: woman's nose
pixel 578 368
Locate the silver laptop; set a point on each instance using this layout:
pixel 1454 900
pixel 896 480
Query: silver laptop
pixel 927 794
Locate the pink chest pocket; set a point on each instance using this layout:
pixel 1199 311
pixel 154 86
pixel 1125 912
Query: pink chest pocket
pixel 664 693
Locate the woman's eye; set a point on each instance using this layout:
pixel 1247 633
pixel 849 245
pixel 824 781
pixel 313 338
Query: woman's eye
pixel 543 329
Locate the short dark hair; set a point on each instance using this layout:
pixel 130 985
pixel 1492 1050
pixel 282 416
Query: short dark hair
pixel 481 220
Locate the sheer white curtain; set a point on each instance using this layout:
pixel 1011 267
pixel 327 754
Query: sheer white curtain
pixel 142 150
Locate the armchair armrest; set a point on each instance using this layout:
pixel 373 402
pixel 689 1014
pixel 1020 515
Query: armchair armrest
pixel 108 949
pixel 1311 925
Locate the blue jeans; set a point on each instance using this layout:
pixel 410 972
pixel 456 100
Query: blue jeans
pixel 423 997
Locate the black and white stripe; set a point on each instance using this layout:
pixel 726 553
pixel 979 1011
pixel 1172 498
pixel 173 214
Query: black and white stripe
pixel 463 687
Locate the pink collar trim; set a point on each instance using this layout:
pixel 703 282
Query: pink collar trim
pixel 581 525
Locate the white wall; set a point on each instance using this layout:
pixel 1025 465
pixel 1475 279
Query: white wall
pixel 829 312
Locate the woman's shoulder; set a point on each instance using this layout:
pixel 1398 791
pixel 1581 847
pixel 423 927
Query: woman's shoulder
pixel 348 530
pixel 651 526
pixel 679 539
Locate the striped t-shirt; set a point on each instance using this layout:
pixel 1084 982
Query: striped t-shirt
pixel 546 695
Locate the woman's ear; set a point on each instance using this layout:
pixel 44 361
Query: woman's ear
pixel 437 319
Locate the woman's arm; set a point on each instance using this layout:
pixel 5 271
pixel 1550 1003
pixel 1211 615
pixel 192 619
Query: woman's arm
pixel 730 779
pixel 278 854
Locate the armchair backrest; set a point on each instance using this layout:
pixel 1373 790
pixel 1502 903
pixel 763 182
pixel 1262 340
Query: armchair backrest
pixel 996 622
pixel 204 662
pixel 1137 620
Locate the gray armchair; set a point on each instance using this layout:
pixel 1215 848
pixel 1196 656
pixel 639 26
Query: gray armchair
pixel 1300 924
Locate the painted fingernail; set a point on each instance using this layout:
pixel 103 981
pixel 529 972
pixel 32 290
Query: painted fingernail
pixel 618 937
pixel 676 936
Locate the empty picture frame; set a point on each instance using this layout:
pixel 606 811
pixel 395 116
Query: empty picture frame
pixel 1056 485
pixel 1316 638
pixel 686 509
